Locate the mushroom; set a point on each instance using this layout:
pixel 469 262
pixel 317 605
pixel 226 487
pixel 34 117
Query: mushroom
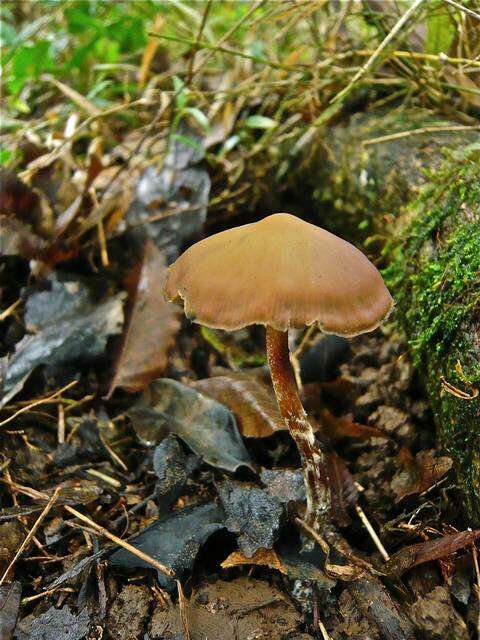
pixel 284 273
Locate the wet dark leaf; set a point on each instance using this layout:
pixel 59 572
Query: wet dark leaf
pixel 252 403
pixel 153 323
pixel 54 624
pixel 431 550
pixel 174 540
pixel 420 473
pixel 66 327
pixel 172 467
pixel 171 204
pixel 9 605
pixel 86 446
pixel 73 572
pixel 205 425
pixel 252 513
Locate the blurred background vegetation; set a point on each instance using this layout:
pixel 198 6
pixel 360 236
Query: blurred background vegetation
pixel 283 60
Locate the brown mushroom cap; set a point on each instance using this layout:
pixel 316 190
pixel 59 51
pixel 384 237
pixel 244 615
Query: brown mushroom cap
pixel 282 272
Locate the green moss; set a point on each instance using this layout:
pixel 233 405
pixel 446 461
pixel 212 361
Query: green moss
pixel 434 274
pixel 435 271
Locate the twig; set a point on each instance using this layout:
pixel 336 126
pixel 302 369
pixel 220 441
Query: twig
pixel 463 8
pixel 103 476
pixel 31 533
pixel 337 101
pixel 372 532
pixel 96 527
pixel 61 424
pixel 419 131
pixel 199 37
pixel 183 612
pixel 9 310
pixel 48 592
pixel 51 398
pixel 323 631
pixel 477 572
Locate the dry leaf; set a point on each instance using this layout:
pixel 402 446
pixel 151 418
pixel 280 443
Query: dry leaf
pixel 432 550
pixel 420 473
pixel 252 403
pixel 262 557
pixel 343 492
pixel 152 325
pixel 337 428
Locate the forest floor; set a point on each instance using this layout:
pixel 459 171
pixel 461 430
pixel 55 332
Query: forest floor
pixel 148 489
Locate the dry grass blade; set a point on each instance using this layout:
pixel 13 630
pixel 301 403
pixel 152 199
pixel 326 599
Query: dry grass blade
pixel 183 604
pixel 97 528
pixel 338 100
pixel 36 403
pixel 31 533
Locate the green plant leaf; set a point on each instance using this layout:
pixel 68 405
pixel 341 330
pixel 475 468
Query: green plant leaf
pixel 199 116
pixel 260 122
pixel 440 31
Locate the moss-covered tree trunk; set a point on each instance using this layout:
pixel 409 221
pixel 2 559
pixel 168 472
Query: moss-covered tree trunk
pixel 416 200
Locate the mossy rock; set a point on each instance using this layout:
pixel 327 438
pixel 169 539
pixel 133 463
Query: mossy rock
pixel 434 274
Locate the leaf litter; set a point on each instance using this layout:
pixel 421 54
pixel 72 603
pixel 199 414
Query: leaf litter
pixel 174 473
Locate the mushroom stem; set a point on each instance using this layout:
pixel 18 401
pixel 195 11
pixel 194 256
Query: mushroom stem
pixel 293 413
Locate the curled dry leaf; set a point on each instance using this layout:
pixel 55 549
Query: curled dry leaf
pixel 152 325
pixel 419 473
pixel 262 557
pixel 431 550
pixel 251 402
pixel 340 427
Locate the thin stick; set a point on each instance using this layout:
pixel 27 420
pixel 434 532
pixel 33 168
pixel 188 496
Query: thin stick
pixel 103 244
pixel 31 533
pixel 61 424
pixel 419 131
pixel 38 402
pixel 48 592
pixel 385 42
pixel 199 38
pixel 463 8
pixel 122 543
pixel 183 612
pixel 477 572
pixel 323 631
pixel 338 99
pixel 96 527
pixel 372 532
pixel 9 310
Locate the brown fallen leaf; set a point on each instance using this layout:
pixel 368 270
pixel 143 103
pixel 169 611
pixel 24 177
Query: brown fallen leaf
pixel 338 427
pixel 262 557
pixel 252 403
pixel 151 328
pixel 343 492
pixel 427 551
pixel 419 473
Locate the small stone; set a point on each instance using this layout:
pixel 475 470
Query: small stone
pixel 128 614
